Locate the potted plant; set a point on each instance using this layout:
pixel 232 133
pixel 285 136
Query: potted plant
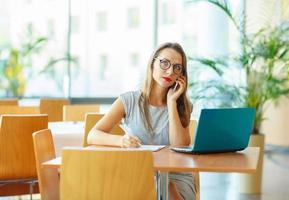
pixel 263 72
pixel 13 63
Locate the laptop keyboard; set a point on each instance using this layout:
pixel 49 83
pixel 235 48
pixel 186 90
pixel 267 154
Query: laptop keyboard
pixel 182 149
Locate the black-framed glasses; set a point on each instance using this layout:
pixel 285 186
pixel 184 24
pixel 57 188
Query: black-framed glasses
pixel 166 64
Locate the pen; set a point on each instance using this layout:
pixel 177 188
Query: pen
pixel 139 144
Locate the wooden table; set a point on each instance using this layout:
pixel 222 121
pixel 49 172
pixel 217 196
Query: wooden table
pixel 166 161
pixel 66 134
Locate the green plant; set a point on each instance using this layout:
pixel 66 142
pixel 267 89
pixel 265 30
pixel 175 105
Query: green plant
pixel 263 67
pixel 14 61
pixel 52 68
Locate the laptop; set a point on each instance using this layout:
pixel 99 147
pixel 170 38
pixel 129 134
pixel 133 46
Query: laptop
pixel 222 130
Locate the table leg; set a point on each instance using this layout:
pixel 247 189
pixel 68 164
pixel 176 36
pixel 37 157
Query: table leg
pixel 158 176
pixel 165 185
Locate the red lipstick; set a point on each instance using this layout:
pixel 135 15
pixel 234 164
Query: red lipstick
pixel 168 79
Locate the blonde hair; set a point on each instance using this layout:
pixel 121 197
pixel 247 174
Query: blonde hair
pixel 184 106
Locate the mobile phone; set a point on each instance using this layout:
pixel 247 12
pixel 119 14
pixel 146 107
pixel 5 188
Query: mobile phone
pixel 176 85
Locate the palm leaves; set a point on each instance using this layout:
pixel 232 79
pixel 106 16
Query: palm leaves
pixel 238 22
pixel 264 62
pixel 14 62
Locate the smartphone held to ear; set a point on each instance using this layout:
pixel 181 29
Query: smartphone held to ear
pixel 176 85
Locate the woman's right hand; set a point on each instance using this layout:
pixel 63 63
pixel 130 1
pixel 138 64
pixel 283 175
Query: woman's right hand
pixel 130 141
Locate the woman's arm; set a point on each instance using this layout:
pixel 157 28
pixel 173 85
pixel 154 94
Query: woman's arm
pixel 179 135
pixel 100 135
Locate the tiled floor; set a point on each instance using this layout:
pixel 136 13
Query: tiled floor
pixel 218 186
pixel 223 186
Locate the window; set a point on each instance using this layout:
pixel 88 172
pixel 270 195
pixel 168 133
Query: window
pixel 103 64
pixel 168 13
pixel 110 39
pixel 109 51
pixel 74 24
pixel 50 28
pixel 101 21
pixel 134 58
pixel 133 17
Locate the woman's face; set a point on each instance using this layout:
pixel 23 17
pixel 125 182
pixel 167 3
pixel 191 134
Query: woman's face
pixel 167 67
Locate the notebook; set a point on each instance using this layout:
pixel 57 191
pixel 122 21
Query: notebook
pixel 146 148
pixel 152 147
pixel 222 130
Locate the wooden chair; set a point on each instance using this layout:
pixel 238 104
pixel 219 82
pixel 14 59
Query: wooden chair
pixel 77 112
pixel 54 108
pixel 90 121
pixel 9 102
pixel 17 154
pixel 19 110
pixel 196 175
pixel 107 174
pixel 48 178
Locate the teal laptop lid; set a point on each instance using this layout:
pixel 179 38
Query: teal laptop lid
pixel 222 130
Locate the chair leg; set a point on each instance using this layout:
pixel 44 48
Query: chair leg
pixel 31 184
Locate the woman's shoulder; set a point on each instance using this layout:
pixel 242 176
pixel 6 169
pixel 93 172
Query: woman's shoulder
pixel 130 102
pixel 130 98
pixel 131 94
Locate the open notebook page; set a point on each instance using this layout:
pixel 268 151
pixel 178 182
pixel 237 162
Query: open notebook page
pixel 151 147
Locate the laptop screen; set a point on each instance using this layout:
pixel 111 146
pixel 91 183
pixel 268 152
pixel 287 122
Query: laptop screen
pixel 225 129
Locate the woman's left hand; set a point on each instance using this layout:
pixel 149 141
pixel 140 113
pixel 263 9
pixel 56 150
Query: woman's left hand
pixel 173 95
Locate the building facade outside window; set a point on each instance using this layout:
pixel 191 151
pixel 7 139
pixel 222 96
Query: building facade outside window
pixel 133 18
pixel 101 21
pixel 109 39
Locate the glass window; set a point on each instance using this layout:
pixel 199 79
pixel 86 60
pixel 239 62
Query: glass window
pixel 110 42
pixel 134 60
pixel 110 61
pixel 74 24
pixel 133 17
pixel 50 28
pixel 41 60
pixel 101 20
pixel 205 34
pixel 167 13
pixel 103 64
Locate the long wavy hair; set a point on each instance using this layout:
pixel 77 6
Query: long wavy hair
pixel 184 106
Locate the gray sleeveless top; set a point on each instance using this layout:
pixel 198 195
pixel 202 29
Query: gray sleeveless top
pixel 133 122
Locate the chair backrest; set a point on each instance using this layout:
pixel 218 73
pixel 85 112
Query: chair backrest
pixel 196 175
pixel 77 112
pixel 10 102
pixel 10 109
pixel 107 174
pixel 17 155
pixel 48 178
pixel 54 108
pixel 90 121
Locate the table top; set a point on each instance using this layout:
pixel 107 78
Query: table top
pixel 166 160
pixel 68 127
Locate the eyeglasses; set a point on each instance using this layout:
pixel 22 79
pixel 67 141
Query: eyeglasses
pixel 166 64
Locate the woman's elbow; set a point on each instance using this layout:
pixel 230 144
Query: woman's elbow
pixel 90 137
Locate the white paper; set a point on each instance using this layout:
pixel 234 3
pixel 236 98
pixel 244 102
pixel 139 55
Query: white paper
pixel 151 147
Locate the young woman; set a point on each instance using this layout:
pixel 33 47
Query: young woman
pixel 158 114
